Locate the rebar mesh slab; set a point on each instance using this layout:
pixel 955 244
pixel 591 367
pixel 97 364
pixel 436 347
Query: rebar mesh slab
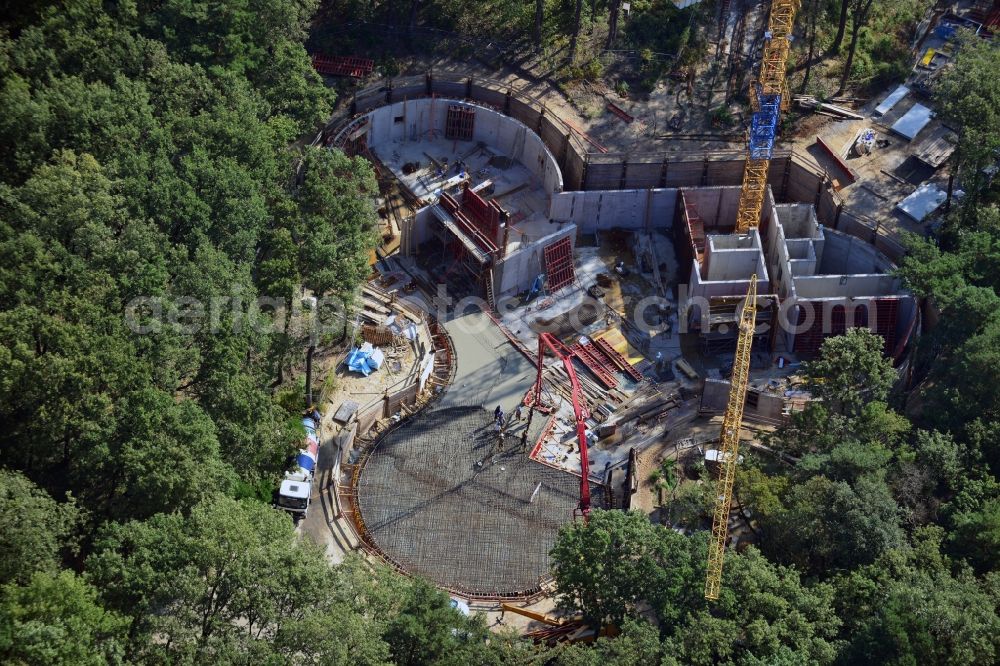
pixel 437 498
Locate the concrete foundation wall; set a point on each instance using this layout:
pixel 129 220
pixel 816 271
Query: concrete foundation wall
pixel 728 262
pixel 794 244
pixel 717 206
pixel 797 220
pixel 420 228
pixel 519 269
pixel 846 286
pixel 794 176
pixel 770 408
pixel 847 254
pixel 699 288
pixel 802 267
pixel 723 168
pixel 734 265
pixel 627 209
pixel 419 119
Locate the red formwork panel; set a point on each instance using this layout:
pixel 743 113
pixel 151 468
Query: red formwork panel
pixel 448 203
pixel 807 342
pixel 828 323
pixel 459 122
pixel 559 270
pixel 343 65
pixel 595 363
pixel 486 214
pixel 617 359
pixel 887 319
pixel 695 228
pixel 466 225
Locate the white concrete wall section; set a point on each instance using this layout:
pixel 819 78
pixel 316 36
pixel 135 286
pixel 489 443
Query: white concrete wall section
pixel 716 206
pixel 734 265
pixel 846 286
pixel 794 245
pixel 421 230
pixel 416 120
pixel 626 209
pixel 798 220
pixel 800 248
pixel 843 254
pixel 705 289
pixel 735 257
pixel 737 285
pixel 519 269
pixel 802 267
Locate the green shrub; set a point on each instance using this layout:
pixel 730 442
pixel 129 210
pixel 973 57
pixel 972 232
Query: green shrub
pixel 290 397
pixel 721 115
pixel 593 70
pixel 261 490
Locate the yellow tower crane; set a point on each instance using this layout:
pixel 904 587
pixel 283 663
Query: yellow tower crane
pixel 768 98
pixel 731 423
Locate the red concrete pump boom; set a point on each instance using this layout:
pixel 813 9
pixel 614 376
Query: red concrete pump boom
pixel 547 340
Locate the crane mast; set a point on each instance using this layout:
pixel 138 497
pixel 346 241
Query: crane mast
pixel 767 98
pixel 731 423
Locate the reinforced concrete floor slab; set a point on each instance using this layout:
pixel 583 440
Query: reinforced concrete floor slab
pixel 437 498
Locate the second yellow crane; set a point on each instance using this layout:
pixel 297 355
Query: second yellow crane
pixel 768 98
pixel 729 454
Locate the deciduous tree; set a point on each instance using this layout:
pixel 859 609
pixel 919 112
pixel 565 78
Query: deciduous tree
pixel 851 371
pixel 57 618
pixel 35 530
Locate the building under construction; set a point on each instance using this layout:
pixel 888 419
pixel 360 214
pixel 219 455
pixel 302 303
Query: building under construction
pixel 480 184
pixel 493 216
pixel 812 282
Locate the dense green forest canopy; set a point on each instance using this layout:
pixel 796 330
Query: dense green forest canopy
pixel 150 152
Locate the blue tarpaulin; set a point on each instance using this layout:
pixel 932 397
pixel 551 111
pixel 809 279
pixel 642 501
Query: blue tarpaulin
pixel 365 359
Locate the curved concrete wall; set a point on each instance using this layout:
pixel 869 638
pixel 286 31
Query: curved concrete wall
pixel 424 119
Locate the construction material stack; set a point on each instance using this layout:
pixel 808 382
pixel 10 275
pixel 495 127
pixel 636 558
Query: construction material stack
pixel 295 492
pixel 768 99
pixel 547 341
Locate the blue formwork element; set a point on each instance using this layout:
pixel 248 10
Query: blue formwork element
pixel 764 126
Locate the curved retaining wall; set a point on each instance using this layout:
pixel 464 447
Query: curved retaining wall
pixel 415 120
pixel 793 176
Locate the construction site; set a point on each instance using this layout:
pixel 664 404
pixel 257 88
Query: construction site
pixel 588 315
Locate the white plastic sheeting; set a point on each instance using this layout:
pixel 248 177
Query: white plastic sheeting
pixel 925 200
pixel 913 121
pixel 894 97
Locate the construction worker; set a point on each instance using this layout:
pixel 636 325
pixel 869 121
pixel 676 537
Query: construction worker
pixel 498 413
pixel 517 412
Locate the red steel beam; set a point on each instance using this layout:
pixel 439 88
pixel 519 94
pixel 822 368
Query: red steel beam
pixel 548 341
